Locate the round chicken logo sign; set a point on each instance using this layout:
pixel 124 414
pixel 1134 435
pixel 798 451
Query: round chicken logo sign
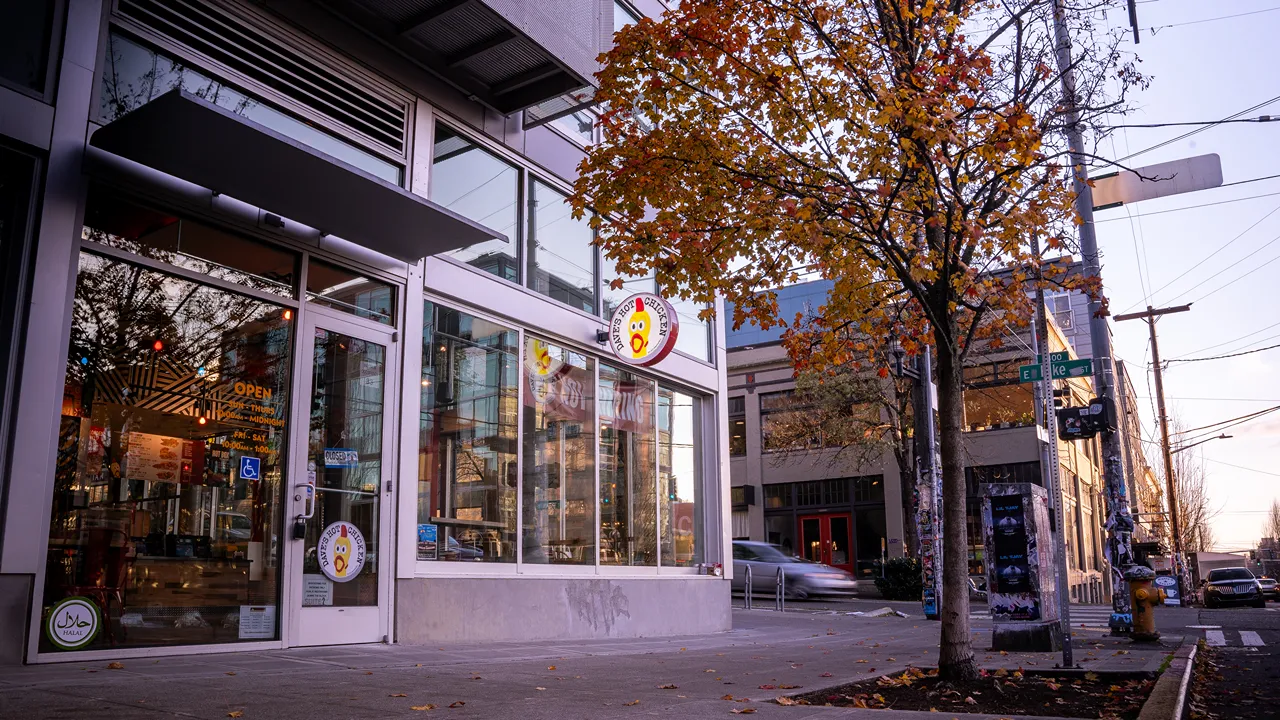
pixel 340 551
pixel 643 329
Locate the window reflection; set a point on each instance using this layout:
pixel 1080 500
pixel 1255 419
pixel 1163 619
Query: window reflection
pixel 341 289
pixel 581 125
pixel 120 223
pixel 467 439
pixel 135 75
pixel 25 29
pixel 694 339
pixel 628 493
pixel 561 251
pixel 169 385
pixel 679 480
pixel 559 455
pixel 611 298
pixel 477 185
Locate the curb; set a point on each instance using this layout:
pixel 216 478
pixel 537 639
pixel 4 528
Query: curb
pixel 1169 697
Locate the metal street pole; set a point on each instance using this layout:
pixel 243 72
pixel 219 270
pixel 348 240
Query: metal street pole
pixel 1150 315
pixel 1119 522
pixel 929 491
pixel 1050 463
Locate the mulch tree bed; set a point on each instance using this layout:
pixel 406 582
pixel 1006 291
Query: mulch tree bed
pixel 1003 692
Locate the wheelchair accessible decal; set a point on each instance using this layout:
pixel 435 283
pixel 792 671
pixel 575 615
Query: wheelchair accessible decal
pixel 73 623
pixel 340 551
pixel 643 330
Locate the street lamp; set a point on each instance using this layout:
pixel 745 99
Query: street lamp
pixel 1188 447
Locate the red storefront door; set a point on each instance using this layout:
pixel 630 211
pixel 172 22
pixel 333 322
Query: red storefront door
pixel 827 539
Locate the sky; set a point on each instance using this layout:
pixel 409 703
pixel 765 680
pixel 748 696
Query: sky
pixel 1224 259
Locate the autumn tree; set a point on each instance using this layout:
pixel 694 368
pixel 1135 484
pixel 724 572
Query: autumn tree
pixel 906 150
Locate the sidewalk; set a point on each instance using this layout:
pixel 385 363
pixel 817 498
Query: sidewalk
pixel 595 679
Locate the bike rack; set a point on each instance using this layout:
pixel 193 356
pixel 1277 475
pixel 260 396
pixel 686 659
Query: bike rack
pixel 746 593
pixel 780 593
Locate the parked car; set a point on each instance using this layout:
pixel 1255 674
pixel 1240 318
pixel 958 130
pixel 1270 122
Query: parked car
pixel 803 579
pixel 1232 586
pixel 1269 590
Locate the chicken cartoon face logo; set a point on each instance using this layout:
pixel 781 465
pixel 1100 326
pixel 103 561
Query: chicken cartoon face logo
pixel 640 327
pixel 643 329
pixel 341 551
pixel 541 358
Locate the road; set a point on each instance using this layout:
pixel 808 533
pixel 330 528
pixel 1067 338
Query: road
pixel 1244 644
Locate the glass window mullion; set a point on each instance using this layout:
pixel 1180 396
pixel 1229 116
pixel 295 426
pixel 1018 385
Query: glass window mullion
pixel 599 439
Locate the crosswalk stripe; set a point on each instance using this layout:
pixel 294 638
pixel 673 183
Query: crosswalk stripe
pixel 1215 638
pixel 1249 637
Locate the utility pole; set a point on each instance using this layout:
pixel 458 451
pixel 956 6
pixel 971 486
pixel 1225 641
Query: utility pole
pixel 1119 521
pixel 1150 315
pixel 1050 463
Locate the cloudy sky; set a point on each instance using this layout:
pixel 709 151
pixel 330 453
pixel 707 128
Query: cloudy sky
pixel 1223 257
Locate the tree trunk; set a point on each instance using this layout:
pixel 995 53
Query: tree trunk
pixel 955 652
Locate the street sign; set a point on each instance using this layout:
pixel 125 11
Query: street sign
pixel 1153 181
pixel 1054 357
pixel 1061 369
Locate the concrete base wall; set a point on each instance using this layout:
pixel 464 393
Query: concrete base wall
pixel 432 610
pixel 15 603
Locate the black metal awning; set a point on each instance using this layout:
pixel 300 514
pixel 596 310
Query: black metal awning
pixel 197 141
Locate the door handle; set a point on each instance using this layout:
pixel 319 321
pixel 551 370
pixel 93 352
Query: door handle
pixel 305 493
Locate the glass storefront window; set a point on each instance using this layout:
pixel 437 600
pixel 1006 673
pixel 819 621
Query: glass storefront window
pixel 467 438
pixel 561 262
pixel 679 486
pixel 628 490
pixel 341 289
pixel 610 298
pixel 135 75
pixel 870 527
pixel 169 385
pixel 477 185
pixel 558 493
pixel 120 223
pixel 25 29
pixel 694 339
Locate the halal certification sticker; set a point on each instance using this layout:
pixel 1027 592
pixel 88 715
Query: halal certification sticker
pixel 73 623
pixel 340 551
pixel 643 329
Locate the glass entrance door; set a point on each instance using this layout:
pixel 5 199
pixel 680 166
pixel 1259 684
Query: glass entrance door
pixel 339 521
pixel 825 539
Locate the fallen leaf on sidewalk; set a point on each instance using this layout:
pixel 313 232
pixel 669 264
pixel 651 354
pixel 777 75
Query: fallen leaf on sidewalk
pixel 368 672
pixel 539 688
pixel 790 687
pixel 742 711
pixel 115 666
pixel 825 675
pixel 668 686
pixel 398 695
pixel 970 701
pixel 784 700
pixel 551 667
pixel 231 672
pixel 727 697
pixel 633 702
pixel 768 687
pixel 709 670
pixel 862 661
pixel 235 713
pixel 423 708
pixel 457 703
pixel 1090 676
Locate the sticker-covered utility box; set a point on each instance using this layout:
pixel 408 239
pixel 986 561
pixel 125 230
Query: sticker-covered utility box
pixel 1021 589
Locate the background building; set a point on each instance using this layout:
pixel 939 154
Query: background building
pixel 853 506
pixel 301 338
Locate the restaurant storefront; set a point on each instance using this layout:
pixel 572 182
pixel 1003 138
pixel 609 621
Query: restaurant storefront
pixel 415 425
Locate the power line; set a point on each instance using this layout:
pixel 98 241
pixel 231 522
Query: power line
pixel 1233 282
pixel 1193 207
pixel 1209 399
pixel 1259 119
pixel 1250 180
pixel 1222 357
pixel 1224 422
pixel 1232 342
pixel 1199 129
pixel 1241 467
pixel 1210 255
pixel 1157 28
